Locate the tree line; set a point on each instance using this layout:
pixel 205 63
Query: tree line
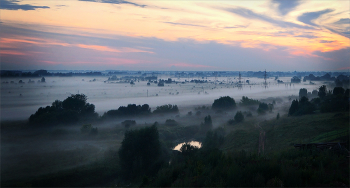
pixel 327 101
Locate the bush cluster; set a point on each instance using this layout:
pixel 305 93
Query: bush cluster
pixel 226 103
pixel 166 109
pixel 71 110
pixel 127 111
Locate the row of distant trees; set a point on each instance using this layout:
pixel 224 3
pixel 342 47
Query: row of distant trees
pixel 326 101
pixel 76 108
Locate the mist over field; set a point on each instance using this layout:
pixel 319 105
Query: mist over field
pixel 19 101
pixel 29 152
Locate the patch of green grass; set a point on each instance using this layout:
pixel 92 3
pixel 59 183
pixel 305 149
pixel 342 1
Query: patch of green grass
pixel 281 134
pixel 331 136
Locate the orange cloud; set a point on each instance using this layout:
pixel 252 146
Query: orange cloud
pixel 11 52
pixel 98 48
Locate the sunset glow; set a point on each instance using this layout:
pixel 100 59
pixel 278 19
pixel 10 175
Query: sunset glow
pixel 207 35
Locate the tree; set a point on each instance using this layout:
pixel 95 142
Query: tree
pixel 226 102
pixel 239 116
pixel 338 91
pixel 75 102
pixel 139 151
pixel 322 91
pixel 294 107
pixel 130 110
pixel 245 101
pixel 208 124
pixel 302 93
pixel 301 107
pixel 263 107
pixel 71 110
pixel 213 139
pixel 166 109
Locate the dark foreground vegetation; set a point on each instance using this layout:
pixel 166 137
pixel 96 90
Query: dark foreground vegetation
pixel 225 159
pixel 244 152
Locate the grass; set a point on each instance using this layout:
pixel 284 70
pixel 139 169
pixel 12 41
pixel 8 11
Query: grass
pixel 283 133
pixel 88 166
pixel 100 173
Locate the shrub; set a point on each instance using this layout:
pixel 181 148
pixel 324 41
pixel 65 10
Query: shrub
pixel 231 122
pixel 245 101
pixel 85 128
pixel 130 110
pixel 248 114
pixel 198 113
pixel 227 103
pixel 128 123
pixel 166 109
pixel 239 116
pixel 171 122
pixel 94 131
pixel 263 107
pixel 208 124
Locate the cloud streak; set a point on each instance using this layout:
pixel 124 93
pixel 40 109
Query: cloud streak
pixel 285 6
pixel 115 2
pixel 309 17
pixel 183 24
pixel 13 5
pixel 247 13
pixel 343 21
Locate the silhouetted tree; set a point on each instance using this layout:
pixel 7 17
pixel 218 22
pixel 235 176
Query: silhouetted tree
pixel 338 91
pixel 302 93
pixel 322 91
pixel 301 107
pixel 245 101
pixel 226 102
pixel 294 107
pixel 166 109
pixel 71 110
pixel 139 151
pixel 128 111
pixel 239 116
pixel 263 108
pixel 208 124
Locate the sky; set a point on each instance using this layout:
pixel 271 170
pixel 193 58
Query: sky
pixel 203 35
